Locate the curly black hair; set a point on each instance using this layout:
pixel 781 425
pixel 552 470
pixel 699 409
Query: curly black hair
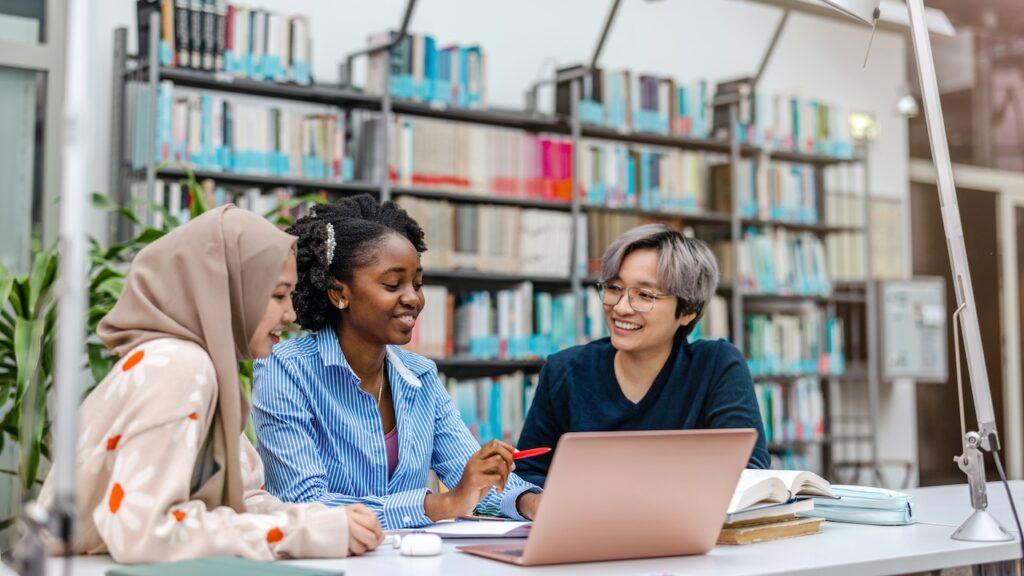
pixel 359 223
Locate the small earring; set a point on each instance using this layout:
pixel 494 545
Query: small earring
pixel 342 305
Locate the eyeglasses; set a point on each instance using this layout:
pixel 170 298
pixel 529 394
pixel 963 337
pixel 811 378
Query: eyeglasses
pixel 640 299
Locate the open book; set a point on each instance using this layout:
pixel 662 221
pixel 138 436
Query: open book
pixel 760 487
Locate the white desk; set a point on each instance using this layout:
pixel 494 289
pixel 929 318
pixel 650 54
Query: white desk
pixel 841 549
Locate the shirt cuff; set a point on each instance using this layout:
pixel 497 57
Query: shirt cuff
pixel 405 510
pixel 509 497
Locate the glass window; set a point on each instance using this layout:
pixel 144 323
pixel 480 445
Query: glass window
pixel 23 21
pixel 22 98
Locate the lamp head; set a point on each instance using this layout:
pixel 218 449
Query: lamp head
pixel 863 10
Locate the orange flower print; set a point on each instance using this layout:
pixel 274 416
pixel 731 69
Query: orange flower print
pixel 192 423
pixel 177 526
pixel 262 528
pixel 102 453
pixel 131 371
pixel 126 501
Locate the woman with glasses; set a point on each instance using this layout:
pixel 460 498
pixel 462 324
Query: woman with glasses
pixel 646 375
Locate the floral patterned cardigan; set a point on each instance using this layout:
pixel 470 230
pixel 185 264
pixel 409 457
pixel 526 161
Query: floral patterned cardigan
pixel 140 435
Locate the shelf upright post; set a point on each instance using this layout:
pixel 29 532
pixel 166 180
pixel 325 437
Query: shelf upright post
pixel 152 84
pixel 870 317
pixel 387 115
pixel 117 226
pixel 734 230
pixel 577 238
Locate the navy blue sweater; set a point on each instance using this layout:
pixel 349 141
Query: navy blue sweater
pixel 703 384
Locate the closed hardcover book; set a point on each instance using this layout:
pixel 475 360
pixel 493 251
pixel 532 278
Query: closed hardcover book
pixel 769 532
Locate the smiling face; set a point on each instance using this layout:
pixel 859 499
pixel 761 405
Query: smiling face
pixel 279 313
pixel 633 331
pixel 385 296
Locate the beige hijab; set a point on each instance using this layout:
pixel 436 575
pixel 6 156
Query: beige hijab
pixel 207 282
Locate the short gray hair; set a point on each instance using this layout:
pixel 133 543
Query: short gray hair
pixel 687 269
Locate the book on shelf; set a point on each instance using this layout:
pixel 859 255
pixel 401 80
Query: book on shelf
pixel 171 199
pixel 604 226
pixel 420 70
pixel 760 487
pixel 778 191
pixel 644 177
pixel 791 412
pixel 481 160
pixel 215 36
pixel 628 101
pixel 789 459
pixel 788 528
pixel 776 261
pixel 487 238
pixel 794 343
pixel 493 408
pixel 208 130
pixel 714 323
pixel 794 123
pixel 516 323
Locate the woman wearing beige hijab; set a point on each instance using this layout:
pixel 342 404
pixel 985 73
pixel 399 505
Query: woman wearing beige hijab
pixel 164 471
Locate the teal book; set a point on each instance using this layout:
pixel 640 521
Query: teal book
pixel 220 566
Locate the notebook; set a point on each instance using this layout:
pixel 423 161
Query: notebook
pixel 477 529
pixel 776 486
pixel 219 566
pixel 766 513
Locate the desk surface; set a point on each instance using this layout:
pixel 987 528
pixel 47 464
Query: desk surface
pixel 841 549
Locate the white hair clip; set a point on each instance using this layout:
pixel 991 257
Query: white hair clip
pixel 329 245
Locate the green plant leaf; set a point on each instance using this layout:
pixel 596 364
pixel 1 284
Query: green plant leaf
pixel 27 351
pixel 107 204
pixel 31 432
pixel 44 272
pixel 197 195
pixel 6 284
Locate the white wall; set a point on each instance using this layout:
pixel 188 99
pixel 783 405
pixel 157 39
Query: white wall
pixel 527 39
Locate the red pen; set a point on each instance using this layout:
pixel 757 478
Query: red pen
pixel 521 454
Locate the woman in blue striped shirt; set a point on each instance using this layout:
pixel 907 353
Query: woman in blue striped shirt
pixel 346 416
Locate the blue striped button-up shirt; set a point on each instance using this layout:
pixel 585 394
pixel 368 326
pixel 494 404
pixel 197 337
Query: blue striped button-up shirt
pixel 321 437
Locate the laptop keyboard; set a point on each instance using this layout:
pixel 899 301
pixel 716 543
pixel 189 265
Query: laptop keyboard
pixel 514 552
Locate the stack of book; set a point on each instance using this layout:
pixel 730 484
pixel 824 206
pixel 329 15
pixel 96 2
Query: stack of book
pixel 776 262
pixel 648 178
pixel 790 122
pixel 846 249
pixel 506 324
pixel 421 71
pixel 771 505
pixel 481 160
pixel 216 36
pixel 494 408
pixel 714 324
pixel 808 342
pixel 626 100
pixel 777 191
pixel 171 199
pixel 511 240
pixel 793 412
pixel 604 226
pixel 206 130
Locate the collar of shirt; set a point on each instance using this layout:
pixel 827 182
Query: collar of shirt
pixel 332 355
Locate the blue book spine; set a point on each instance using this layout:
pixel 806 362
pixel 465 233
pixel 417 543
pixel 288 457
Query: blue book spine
pixel 429 69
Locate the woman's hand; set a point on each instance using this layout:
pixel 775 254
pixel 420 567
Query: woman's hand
pixel 364 531
pixel 488 468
